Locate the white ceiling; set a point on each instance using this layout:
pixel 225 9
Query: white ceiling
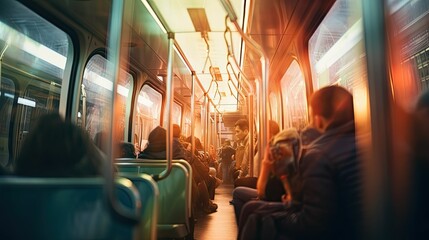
pixel 177 20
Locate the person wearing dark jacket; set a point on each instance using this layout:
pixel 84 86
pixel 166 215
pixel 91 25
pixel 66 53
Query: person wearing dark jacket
pixel 157 146
pixel 156 149
pixel 327 199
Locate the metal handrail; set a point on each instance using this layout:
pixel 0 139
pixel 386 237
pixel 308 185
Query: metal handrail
pixel 113 56
pixel 263 119
pixel 168 108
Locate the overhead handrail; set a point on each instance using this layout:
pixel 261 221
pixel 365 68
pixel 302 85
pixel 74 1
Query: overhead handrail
pixel 230 82
pixel 250 93
pixel 263 140
pixel 113 56
pixel 243 92
pixel 208 59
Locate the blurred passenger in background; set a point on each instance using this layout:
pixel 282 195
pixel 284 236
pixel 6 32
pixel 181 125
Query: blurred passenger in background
pixel 57 148
pixel 226 154
pixel 241 151
pixel 157 148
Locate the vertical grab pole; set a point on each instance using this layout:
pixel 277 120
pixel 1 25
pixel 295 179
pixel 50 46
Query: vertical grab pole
pixel 207 124
pixel 168 103
pixel 83 106
pixel 114 59
pixel 193 114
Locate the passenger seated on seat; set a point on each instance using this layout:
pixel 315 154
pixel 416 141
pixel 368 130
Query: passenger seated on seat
pixel 127 150
pixel 57 148
pixel 156 149
pixel 269 185
pixel 327 199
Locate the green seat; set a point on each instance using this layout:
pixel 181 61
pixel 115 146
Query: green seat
pixel 149 195
pixel 175 192
pixel 64 208
pixel 135 168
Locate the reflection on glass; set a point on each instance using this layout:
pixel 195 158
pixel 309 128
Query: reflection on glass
pixel 337 53
pixel 98 87
pixel 146 116
pixel 34 54
pixel 294 97
pixel 410 39
pixel 274 107
pixel 336 48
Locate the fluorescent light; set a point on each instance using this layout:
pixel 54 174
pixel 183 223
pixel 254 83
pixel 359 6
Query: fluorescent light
pixel 99 80
pixel 9 95
pixel 26 102
pixel 343 45
pixel 155 17
pixel 122 90
pixel 21 41
pixel 40 51
pixel 105 83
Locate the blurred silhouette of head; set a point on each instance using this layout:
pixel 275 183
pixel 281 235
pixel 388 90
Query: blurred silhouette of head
pixel 331 107
pixel 58 148
pixel 157 140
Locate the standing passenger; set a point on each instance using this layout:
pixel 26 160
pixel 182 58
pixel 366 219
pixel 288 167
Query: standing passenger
pixel 226 154
pixel 241 152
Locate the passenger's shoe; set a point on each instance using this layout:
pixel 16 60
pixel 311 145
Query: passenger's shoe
pixel 218 182
pixel 211 208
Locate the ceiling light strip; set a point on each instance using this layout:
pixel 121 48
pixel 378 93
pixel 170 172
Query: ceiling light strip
pixel 155 17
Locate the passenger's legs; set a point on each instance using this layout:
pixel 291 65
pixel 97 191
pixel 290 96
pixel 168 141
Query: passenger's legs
pixel 250 225
pixel 240 196
pixel 225 173
pixel 203 193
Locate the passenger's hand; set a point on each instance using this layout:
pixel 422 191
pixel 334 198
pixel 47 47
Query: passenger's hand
pixel 286 199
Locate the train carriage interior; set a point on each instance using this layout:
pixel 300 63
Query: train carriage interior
pixel 119 69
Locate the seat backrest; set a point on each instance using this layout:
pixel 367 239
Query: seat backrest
pixel 149 195
pixel 175 192
pixel 63 208
pixel 131 165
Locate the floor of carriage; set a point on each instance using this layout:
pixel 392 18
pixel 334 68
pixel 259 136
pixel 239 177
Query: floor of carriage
pixel 220 224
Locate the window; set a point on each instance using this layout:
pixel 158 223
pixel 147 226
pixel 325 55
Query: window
pixel 97 97
pixel 410 39
pixel 7 95
pixel 337 48
pixel 147 115
pixel 274 107
pixel 177 113
pixel 337 52
pixel 35 56
pixel 294 97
